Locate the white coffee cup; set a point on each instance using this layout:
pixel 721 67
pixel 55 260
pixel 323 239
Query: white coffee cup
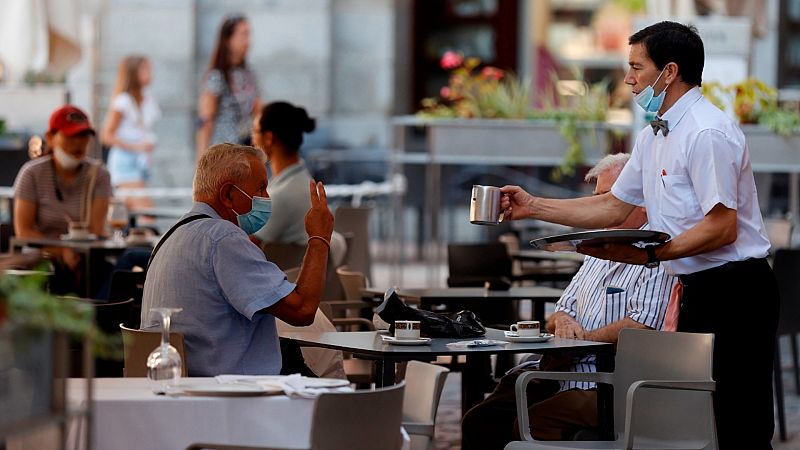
pixel 78 230
pixel 406 329
pixel 526 328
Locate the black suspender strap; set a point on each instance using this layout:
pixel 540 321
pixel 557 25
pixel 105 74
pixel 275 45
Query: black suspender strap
pixel 169 233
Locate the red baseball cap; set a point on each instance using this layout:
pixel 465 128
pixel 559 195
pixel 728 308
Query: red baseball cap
pixel 69 120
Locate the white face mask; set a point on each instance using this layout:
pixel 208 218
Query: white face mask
pixel 65 160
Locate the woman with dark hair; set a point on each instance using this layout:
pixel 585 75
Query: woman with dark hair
pixel 230 90
pixel 278 131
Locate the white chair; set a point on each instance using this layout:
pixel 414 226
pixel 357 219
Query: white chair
pixel 662 394
pixel 360 420
pixel 424 384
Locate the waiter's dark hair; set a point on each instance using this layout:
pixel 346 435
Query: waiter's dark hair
pixel 667 42
pixel 287 124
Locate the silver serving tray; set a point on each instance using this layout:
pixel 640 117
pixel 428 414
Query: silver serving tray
pixel 569 242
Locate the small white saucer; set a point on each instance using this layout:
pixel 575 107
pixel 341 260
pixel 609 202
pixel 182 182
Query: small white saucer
pixel 80 238
pixel 394 341
pixel 514 337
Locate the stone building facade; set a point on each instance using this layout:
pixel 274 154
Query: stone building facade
pixel 334 57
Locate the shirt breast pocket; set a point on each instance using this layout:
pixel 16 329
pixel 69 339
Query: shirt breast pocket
pixel 677 196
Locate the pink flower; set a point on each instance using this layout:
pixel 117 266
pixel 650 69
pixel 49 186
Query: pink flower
pixel 451 60
pixel 445 92
pixel 492 73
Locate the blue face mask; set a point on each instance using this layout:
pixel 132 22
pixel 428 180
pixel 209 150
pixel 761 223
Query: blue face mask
pixel 646 99
pixel 258 216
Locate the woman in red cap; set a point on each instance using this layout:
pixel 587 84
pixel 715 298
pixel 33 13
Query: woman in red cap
pixel 63 191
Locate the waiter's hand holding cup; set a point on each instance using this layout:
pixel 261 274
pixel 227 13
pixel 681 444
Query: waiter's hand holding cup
pixel 515 203
pixel 484 207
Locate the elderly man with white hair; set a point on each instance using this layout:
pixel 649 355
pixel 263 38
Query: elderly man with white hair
pixel 603 298
pixel 229 292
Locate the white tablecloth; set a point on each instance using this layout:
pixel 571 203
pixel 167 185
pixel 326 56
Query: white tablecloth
pixel 128 415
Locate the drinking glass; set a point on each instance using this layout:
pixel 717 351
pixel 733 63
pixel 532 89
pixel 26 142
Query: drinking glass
pixel 164 363
pixel 118 219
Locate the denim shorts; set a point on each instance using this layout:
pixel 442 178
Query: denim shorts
pixel 127 167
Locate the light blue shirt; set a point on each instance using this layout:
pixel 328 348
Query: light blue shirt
pixel 210 268
pixel 290 204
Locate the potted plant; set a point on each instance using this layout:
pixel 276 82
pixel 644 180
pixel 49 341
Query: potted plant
pixel 753 102
pixel 35 327
pixel 484 101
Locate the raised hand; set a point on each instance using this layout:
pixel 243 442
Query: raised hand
pixel 319 220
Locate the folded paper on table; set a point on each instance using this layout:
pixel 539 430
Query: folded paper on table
pixel 476 343
pixel 295 385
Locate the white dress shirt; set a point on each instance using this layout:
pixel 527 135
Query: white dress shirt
pixel 679 178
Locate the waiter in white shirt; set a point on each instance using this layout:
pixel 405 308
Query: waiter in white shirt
pixel 691 169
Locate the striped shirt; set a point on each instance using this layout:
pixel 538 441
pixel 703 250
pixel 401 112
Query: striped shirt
pixel 603 292
pixel 37 182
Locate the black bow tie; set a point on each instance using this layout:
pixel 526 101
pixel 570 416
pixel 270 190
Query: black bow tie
pixel 660 124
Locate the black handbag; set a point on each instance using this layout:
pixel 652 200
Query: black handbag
pixel 463 324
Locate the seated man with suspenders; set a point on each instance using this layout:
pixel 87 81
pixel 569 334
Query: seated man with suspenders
pixel 230 294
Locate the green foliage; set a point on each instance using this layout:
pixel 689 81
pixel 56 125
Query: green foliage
pixel 29 305
pixel 633 6
pixel 752 101
pixel 780 120
pixel 494 94
pixel 510 99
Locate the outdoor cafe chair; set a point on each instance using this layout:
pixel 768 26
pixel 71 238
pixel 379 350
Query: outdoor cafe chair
pixel 353 282
pixel 662 394
pixel 290 256
pixel 354 223
pixel 107 314
pixel 786 266
pixel 360 420
pixel 126 284
pixel 424 385
pixel 137 346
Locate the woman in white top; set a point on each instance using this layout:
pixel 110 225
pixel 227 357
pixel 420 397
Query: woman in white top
pixel 129 127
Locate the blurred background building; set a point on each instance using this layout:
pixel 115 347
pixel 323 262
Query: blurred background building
pixel 357 64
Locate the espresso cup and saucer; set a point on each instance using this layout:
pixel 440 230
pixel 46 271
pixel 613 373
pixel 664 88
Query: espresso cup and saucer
pixel 526 328
pixel 78 231
pixel 406 332
pixel 527 331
